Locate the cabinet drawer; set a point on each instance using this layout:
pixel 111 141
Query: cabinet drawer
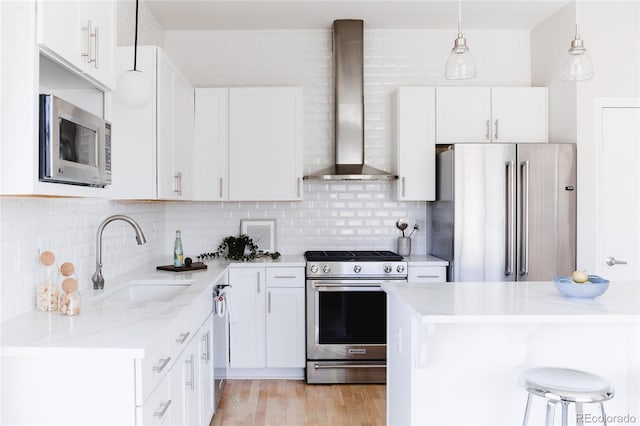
pixel 181 331
pixel 157 409
pixel 427 274
pixel 285 277
pixel 153 367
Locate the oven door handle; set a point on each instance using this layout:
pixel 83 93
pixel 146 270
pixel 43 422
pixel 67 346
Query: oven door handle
pixel 344 285
pixel 319 366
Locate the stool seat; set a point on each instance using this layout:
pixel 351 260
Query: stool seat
pixel 563 384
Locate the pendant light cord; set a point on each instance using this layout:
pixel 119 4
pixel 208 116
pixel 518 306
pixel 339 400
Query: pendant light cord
pixel 459 16
pixel 135 41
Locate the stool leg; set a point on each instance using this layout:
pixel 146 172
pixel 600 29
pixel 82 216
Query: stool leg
pixel 579 414
pixel 525 421
pixel 551 411
pixel 604 416
pixel 565 413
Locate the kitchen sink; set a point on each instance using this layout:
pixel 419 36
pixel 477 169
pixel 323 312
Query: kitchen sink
pixel 151 290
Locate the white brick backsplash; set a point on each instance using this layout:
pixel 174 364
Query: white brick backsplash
pixel 333 215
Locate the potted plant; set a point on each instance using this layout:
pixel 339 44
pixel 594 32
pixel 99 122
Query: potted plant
pixel 238 248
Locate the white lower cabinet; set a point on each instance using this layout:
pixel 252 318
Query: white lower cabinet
pixel 185 387
pixel 426 274
pixel 158 408
pixel 268 330
pixel 205 376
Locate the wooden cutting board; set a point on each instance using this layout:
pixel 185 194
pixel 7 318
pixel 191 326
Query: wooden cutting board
pixel 195 266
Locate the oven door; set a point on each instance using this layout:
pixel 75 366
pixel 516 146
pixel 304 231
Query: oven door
pixel 346 320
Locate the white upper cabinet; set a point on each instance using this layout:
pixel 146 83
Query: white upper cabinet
pixel 416 143
pixel 81 35
pixel 175 131
pixel 265 143
pixel 210 145
pixel 499 114
pixel 520 114
pixel 248 144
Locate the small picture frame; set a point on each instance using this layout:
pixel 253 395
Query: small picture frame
pixel 261 231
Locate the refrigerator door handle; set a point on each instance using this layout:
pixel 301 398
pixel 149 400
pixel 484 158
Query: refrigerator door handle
pixel 510 219
pixel 524 222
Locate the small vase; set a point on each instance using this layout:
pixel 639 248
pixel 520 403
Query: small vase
pixel 404 246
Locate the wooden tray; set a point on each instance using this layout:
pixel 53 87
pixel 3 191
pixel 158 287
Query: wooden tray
pixel 195 266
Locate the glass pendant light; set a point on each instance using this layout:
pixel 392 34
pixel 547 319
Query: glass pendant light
pixel 134 87
pixel 577 66
pixel 460 65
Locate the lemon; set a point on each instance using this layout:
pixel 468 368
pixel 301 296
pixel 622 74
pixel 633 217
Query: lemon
pixel 579 277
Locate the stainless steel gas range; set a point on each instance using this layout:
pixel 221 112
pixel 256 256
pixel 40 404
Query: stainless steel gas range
pixel 347 314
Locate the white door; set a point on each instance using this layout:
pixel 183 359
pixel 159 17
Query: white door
pixel 519 114
pixel 285 328
pixel 617 190
pixel 463 114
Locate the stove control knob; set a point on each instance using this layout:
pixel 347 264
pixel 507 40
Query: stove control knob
pixel 357 269
pixel 314 268
pixel 388 268
pixel 326 269
pixel 400 268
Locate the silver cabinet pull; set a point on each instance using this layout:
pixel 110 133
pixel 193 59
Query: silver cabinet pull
pixel 190 383
pixel 177 178
pixel 496 131
pixel 428 276
pixel 163 363
pixel 269 302
pixel 322 366
pixel 258 283
pixel 524 222
pixel 87 43
pixel 96 41
pixel 220 187
pixel 285 276
pixel 611 261
pixel 206 354
pixel 299 190
pixel 488 134
pixel 510 219
pixel 183 337
pixel 404 186
pixel 162 409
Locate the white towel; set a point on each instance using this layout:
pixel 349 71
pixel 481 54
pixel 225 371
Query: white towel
pixel 224 305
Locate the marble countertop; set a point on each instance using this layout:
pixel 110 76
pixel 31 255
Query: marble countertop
pixel 110 325
pixel 425 260
pixel 515 302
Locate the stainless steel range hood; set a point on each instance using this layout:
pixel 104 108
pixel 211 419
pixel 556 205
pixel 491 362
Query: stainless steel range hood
pixel 348 50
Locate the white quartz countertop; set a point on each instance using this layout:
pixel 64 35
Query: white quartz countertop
pixel 109 325
pixel 425 260
pixel 515 302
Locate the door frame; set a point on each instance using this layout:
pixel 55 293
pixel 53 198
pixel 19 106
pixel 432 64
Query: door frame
pixel 599 105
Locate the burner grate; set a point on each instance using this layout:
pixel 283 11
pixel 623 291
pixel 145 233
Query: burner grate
pixel 352 256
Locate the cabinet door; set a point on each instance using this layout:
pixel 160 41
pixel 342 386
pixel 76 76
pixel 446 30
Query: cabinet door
pixel 463 114
pixel 206 372
pixel 247 330
pixel 185 387
pixel 174 130
pixel 416 144
pixel 265 143
pixel 209 171
pixel 427 274
pixel 285 328
pixel 59 33
pixel 519 114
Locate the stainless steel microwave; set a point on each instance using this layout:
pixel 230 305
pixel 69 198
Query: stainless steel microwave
pixel 75 145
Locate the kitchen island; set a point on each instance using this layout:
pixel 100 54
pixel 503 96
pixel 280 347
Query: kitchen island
pixel 455 349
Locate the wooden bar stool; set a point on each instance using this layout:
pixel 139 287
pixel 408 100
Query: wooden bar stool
pixel 564 386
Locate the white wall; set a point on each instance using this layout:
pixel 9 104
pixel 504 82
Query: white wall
pixel 610 32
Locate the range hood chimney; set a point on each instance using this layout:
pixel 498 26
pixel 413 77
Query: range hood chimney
pixel 348 51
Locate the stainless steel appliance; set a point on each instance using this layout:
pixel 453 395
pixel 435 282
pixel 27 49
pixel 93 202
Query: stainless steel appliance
pixel 506 212
pixel 75 145
pixel 347 314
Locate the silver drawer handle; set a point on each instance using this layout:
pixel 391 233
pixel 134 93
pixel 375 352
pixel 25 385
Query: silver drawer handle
pixel 183 337
pixel 428 276
pixel 163 364
pixel 285 276
pixel 320 367
pixel 162 410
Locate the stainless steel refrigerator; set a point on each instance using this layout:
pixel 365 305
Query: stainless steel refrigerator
pixel 505 212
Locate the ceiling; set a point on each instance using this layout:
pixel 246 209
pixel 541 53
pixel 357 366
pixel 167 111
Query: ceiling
pixel 319 14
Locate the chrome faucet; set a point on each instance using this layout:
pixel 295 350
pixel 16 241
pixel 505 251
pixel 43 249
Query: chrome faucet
pixel 97 278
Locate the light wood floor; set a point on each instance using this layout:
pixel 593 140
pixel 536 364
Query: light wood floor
pixel 293 402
